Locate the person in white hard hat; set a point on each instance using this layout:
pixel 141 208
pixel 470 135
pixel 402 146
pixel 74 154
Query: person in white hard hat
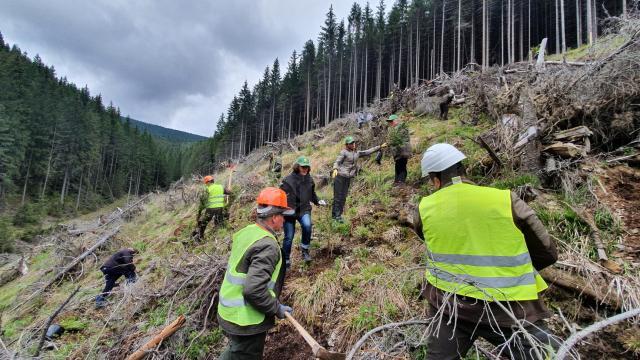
pixel 484 249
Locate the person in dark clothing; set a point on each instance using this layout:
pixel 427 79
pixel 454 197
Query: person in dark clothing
pixel 399 141
pixel 471 280
pixel 445 101
pixel 346 168
pixel 301 192
pixel 119 264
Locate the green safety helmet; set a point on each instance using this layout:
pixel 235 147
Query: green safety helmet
pixel 393 117
pixel 303 161
pixel 349 140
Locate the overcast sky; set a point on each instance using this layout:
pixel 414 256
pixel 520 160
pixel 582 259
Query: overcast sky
pixel 174 63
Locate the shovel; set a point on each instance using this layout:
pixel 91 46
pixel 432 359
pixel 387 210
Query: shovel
pixel 318 351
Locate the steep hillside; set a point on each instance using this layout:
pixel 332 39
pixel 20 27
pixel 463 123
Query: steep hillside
pixel 170 135
pixel 369 271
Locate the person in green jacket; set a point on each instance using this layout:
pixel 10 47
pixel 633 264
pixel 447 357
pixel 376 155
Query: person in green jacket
pixel 485 247
pixel 248 299
pixel 212 202
pixel 400 143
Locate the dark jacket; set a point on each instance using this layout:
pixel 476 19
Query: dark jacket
pixel 543 254
pixel 301 192
pixel 121 261
pixel 259 263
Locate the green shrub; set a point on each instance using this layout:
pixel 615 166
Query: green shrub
pixel 366 319
pixel 6 236
pixel 510 183
pixel 28 214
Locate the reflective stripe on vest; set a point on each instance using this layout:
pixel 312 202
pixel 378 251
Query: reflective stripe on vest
pixel 232 306
pixel 474 247
pixel 215 198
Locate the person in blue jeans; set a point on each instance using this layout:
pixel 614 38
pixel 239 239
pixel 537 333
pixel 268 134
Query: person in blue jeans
pixel 300 189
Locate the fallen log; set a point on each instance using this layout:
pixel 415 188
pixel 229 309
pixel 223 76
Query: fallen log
pixel 576 133
pixel 566 150
pixel 13 271
pixel 581 287
pixel 51 318
pixel 156 340
pixel 71 265
pixel 490 151
pixel 572 63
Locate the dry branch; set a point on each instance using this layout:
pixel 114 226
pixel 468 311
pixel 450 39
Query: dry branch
pixel 573 339
pixel 580 286
pixel 71 265
pixel 156 340
pixel 51 318
pixel 395 325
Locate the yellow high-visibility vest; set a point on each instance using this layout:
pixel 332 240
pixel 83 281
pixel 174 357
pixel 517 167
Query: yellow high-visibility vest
pixel 231 305
pixel 215 198
pixel 474 248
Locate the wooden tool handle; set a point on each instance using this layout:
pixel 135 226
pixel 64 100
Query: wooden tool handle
pixel 307 337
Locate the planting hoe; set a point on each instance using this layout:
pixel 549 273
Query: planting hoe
pixel 318 351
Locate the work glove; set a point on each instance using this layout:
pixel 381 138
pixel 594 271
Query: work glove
pixel 334 173
pixel 282 309
pixel 384 145
pixel 322 203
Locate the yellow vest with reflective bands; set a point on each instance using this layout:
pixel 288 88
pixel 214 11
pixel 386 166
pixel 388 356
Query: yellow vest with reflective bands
pixel 231 305
pixel 215 196
pixel 474 248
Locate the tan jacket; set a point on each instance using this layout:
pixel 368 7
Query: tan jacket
pixel 347 161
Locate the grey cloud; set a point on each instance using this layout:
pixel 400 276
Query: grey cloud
pixel 173 63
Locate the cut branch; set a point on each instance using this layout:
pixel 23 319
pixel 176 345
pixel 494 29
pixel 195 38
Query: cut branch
pixel 156 340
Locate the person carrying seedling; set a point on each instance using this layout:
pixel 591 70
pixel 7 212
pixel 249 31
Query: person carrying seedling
pixel 248 299
pixel 119 264
pixel 301 193
pixel 484 249
pixel 213 203
pixel 344 169
pixel 400 143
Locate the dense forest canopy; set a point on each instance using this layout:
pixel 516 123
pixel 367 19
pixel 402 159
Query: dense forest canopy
pixel 62 146
pixel 359 59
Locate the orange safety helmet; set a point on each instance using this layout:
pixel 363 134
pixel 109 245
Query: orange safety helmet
pixel 207 179
pixel 272 196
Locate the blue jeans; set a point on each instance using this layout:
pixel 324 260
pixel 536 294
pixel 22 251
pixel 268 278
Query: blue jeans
pixel 290 231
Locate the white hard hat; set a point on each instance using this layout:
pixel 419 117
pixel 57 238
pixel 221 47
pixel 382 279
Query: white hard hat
pixel 440 157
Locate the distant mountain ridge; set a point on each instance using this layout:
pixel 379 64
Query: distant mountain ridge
pixel 171 135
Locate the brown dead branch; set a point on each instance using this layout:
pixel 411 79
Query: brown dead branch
pixel 580 286
pixel 156 340
pixel 71 265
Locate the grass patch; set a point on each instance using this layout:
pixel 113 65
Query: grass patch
pixel 73 324
pixel 512 182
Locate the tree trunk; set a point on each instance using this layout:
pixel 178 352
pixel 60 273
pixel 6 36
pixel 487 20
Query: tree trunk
pixel 400 59
pixel 521 32
pixel 26 181
pixel 64 185
pixel 589 23
pixel 442 39
pixel 564 42
pixel 459 34
pixel 502 32
pixel 79 190
pixel 484 33
pixel 46 177
pixel 557 13
pixel 473 32
pixel 578 24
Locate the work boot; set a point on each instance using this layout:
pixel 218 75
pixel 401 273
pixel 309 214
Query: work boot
pixel 305 255
pixel 100 302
